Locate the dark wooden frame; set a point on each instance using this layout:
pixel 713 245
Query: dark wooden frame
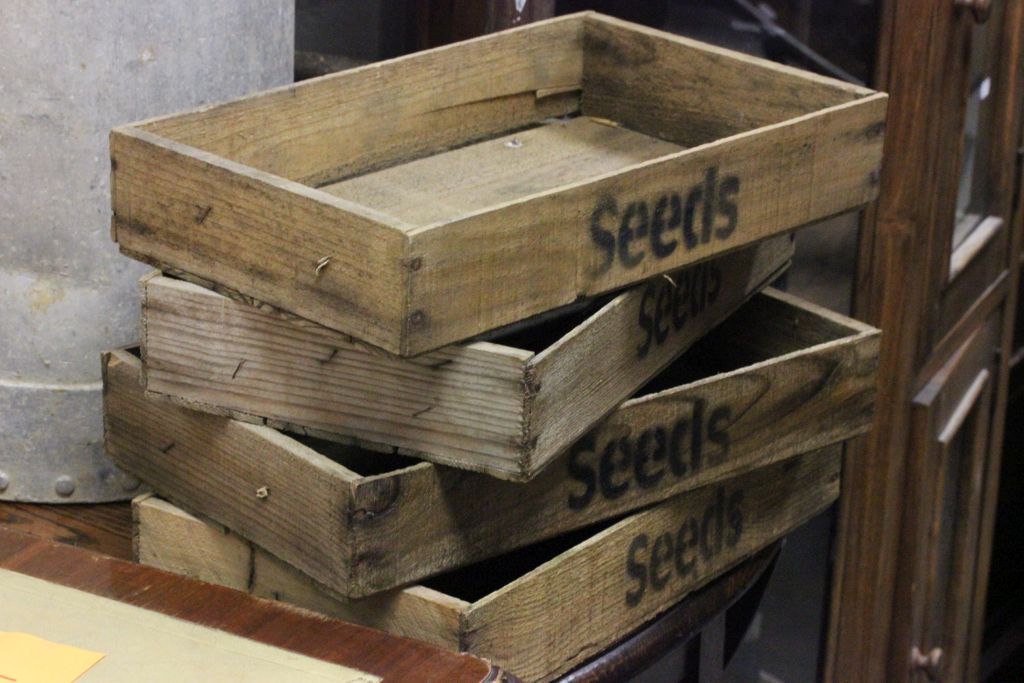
pixel 957 397
pixel 904 286
pixel 977 265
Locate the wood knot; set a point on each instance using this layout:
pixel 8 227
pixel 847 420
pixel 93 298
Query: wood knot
pixel 375 498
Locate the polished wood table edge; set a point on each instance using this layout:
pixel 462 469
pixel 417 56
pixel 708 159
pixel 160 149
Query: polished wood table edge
pixel 273 623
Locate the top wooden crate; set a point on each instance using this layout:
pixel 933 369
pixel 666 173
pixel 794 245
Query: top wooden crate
pixel 425 200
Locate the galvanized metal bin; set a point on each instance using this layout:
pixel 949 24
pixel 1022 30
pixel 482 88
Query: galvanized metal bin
pixel 71 71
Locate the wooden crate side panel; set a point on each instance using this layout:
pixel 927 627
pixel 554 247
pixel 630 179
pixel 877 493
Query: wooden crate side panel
pixel 415 612
pixel 378 115
pixel 690 93
pixel 173 540
pixel 627 227
pixel 646 451
pixel 659 446
pixel 271 239
pixel 214 351
pixel 543 624
pixel 254 480
pixel 602 363
pixel 169 538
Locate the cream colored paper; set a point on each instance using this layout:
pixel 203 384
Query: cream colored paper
pixel 25 658
pixel 141 645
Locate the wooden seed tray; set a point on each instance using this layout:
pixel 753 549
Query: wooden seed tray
pixel 425 200
pixel 505 407
pixel 542 610
pixel 779 379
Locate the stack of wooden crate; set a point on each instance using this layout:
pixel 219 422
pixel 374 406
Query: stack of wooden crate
pixel 418 340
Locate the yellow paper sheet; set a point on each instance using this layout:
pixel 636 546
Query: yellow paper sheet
pixel 25 658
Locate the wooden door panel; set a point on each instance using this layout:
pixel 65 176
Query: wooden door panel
pixel 951 416
pixel 976 117
pixel 939 296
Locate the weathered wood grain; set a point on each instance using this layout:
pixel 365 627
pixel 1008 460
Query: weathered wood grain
pixel 216 193
pixel 452 184
pixel 570 608
pixel 595 236
pixel 549 609
pixel 599 362
pixel 162 445
pixel 678 89
pixel 208 552
pixel 493 407
pixel 182 207
pixel 218 355
pixel 348 123
pixel 172 539
pixel 779 379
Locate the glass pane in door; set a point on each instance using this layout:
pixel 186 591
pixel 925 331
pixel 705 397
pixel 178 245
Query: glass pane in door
pixel 974 193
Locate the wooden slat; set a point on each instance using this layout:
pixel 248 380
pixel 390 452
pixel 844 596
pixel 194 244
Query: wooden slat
pixel 172 539
pixel 559 246
pixel 160 445
pixel 598 364
pixel 414 611
pixel 599 595
pixel 485 406
pixel 349 123
pixel 446 186
pixel 688 92
pixel 223 356
pixel 181 207
pixel 741 588
pixel 166 537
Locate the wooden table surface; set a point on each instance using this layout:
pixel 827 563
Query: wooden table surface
pixel 106 529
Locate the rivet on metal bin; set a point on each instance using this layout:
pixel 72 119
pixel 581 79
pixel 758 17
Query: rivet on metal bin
pixel 64 486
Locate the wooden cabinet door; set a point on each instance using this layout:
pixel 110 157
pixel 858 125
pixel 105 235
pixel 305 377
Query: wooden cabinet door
pixel 975 117
pixel 933 267
pixel 951 421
